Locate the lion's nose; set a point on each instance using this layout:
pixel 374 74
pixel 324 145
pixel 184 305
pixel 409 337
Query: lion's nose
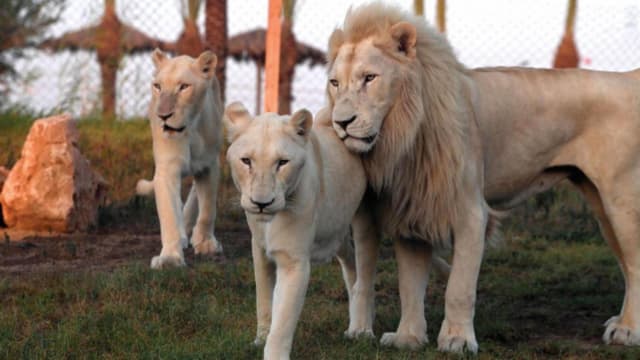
pixel 262 205
pixel 344 123
pixel 164 117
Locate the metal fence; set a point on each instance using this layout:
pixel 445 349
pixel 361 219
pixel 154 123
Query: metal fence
pixel 483 33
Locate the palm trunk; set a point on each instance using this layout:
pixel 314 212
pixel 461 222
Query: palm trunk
pixel 216 36
pixel 288 59
pixel 567 55
pixel 418 7
pixel 441 13
pixel 109 53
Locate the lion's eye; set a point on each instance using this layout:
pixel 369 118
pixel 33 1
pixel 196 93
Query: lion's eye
pixel 334 82
pixel 282 162
pixel 184 86
pixel 157 86
pixel 246 161
pixel 369 78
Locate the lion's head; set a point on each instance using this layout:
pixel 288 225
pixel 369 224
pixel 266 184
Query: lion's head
pixel 178 88
pixel 394 93
pixel 365 80
pixel 266 155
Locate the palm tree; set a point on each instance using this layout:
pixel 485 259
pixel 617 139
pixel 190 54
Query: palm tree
pixel 418 7
pixel 21 22
pixel 215 25
pixel 441 15
pixel 189 42
pixel 288 58
pixel 567 54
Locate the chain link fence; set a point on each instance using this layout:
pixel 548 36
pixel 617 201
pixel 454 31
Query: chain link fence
pixel 483 33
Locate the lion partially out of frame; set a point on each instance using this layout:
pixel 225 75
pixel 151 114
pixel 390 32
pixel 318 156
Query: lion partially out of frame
pixel 443 146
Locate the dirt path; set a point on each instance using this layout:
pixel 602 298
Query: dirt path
pixel 95 251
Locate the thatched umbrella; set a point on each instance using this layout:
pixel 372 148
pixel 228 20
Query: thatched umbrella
pixel 111 39
pixel 250 46
pixel 567 55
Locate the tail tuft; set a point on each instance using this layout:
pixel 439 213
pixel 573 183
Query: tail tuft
pixel 144 187
pixel 493 235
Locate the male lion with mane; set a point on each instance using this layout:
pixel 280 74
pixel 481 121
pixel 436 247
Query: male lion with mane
pixel 443 145
pixel 185 115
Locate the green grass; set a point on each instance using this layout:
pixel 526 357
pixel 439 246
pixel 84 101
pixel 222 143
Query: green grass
pixel 538 299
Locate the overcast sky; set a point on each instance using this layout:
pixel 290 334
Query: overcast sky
pixel 483 33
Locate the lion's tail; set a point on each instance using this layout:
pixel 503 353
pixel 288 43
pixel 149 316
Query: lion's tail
pixel 144 187
pixel 493 235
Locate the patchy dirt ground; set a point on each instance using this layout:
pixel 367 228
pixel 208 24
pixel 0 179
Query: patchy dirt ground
pixel 96 250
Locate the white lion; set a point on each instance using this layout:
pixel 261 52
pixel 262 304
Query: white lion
pixel 300 190
pixel 186 126
pixel 440 142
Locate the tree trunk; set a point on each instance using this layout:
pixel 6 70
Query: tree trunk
pixel 216 36
pixel 109 53
pixel 418 7
pixel 567 55
pixel 190 42
pixel 288 57
pixel 441 15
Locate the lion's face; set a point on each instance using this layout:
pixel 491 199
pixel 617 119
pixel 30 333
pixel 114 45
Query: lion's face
pixel 178 88
pixel 266 155
pixel 364 83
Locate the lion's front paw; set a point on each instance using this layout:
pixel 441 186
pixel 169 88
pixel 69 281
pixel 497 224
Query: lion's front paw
pixel 404 341
pixel 457 338
pixel 359 334
pixel 617 333
pixel 163 262
pixel 204 243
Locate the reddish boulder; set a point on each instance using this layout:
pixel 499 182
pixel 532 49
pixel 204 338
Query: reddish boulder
pixel 52 186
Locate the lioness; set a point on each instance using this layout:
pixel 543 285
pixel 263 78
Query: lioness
pixel 186 126
pixel 300 189
pixel 440 142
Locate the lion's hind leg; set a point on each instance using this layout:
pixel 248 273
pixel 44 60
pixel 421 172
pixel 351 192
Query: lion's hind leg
pixel 362 296
pixel 203 239
pixel 618 213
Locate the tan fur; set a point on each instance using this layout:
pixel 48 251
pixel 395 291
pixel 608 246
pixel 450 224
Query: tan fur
pixel 185 115
pixel 300 189
pixel 439 142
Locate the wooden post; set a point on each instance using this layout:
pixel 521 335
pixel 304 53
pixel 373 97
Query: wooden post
pixel 272 65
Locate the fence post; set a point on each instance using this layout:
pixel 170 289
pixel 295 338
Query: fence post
pixel 272 63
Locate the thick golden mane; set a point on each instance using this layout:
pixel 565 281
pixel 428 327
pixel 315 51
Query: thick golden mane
pixel 416 167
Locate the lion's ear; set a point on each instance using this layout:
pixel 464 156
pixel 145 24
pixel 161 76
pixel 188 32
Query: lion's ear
pixel 207 62
pixel 335 41
pixel 158 58
pixel 236 118
pixel 404 34
pixel 301 122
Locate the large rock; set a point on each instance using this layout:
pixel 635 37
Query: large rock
pixel 52 186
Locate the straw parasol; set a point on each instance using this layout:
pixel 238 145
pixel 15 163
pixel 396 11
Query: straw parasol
pixel 250 47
